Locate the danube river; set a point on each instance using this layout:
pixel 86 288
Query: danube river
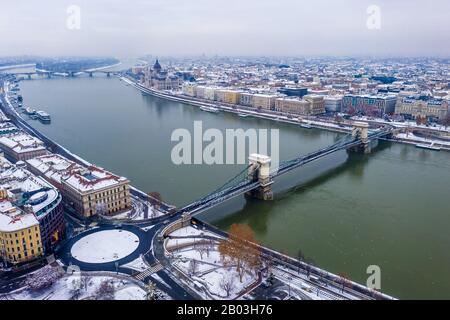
pixel 389 208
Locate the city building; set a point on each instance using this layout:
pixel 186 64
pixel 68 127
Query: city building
pixel 200 92
pixel 19 145
pixel 333 103
pixel 227 96
pixel 317 103
pixel 20 238
pixel 138 69
pixel 160 79
pixel 189 89
pixel 292 105
pixel 294 92
pixel 7 128
pixel 246 99
pixel 370 105
pixel 264 101
pixel 209 93
pixel 412 107
pixel 88 190
pixel 34 196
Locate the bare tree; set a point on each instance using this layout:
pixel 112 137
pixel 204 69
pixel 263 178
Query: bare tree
pixel 75 288
pixel 151 291
pixel 227 284
pixel 43 278
pixel 85 281
pixel 240 248
pixel 106 291
pixel 202 249
pixel 343 279
pixel 193 267
pixel 155 199
pixel 445 121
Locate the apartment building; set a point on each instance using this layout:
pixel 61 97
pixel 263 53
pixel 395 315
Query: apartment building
pixel 88 190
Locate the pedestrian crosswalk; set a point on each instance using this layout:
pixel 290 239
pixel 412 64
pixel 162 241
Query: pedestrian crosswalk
pixel 148 272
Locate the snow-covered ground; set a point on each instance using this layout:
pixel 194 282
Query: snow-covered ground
pixel 191 232
pixel 209 271
pixel 63 289
pixel 105 246
pixel 406 124
pixel 413 138
pixel 137 264
pixel 140 211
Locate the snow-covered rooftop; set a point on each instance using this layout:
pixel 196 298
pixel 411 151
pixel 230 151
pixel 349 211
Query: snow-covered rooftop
pixel 21 142
pixel 16 181
pixel 80 178
pixel 13 219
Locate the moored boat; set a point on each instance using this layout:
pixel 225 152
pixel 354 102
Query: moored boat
pixel 209 109
pixel 29 111
pixel 43 116
pixel 428 146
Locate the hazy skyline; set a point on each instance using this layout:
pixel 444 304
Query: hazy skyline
pixel 225 27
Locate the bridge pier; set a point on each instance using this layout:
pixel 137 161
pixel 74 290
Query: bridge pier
pixel 90 74
pixel 108 74
pixel 361 131
pixel 29 76
pixel 259 170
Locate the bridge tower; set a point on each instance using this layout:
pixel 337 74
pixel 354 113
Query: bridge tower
pixel 361 131
pixel 259 170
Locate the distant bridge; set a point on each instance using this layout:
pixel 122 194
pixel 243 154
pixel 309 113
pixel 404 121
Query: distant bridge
pixel 50 74
pixel 256 179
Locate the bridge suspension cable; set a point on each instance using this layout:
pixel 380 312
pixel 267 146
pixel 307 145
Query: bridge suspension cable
pixel 241 182
pixel 239 179
pixel 290 164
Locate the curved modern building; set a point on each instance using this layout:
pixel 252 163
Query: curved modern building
pixel 34 196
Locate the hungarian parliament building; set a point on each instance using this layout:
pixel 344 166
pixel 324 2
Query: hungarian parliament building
pixel 160 79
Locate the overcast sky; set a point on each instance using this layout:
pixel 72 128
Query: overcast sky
pixel 225 27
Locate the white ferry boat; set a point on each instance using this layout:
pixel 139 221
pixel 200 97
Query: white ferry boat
pixel 428 146
pixel 209 109
pixel 30 111
pixel 43 116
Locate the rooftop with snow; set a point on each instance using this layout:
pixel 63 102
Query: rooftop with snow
pixel 81 178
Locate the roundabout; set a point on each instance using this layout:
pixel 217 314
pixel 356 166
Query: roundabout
pixel 105 246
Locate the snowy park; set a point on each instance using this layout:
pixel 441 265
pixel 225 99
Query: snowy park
pixel 83 286
pixel 105 246
pixel 196 254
